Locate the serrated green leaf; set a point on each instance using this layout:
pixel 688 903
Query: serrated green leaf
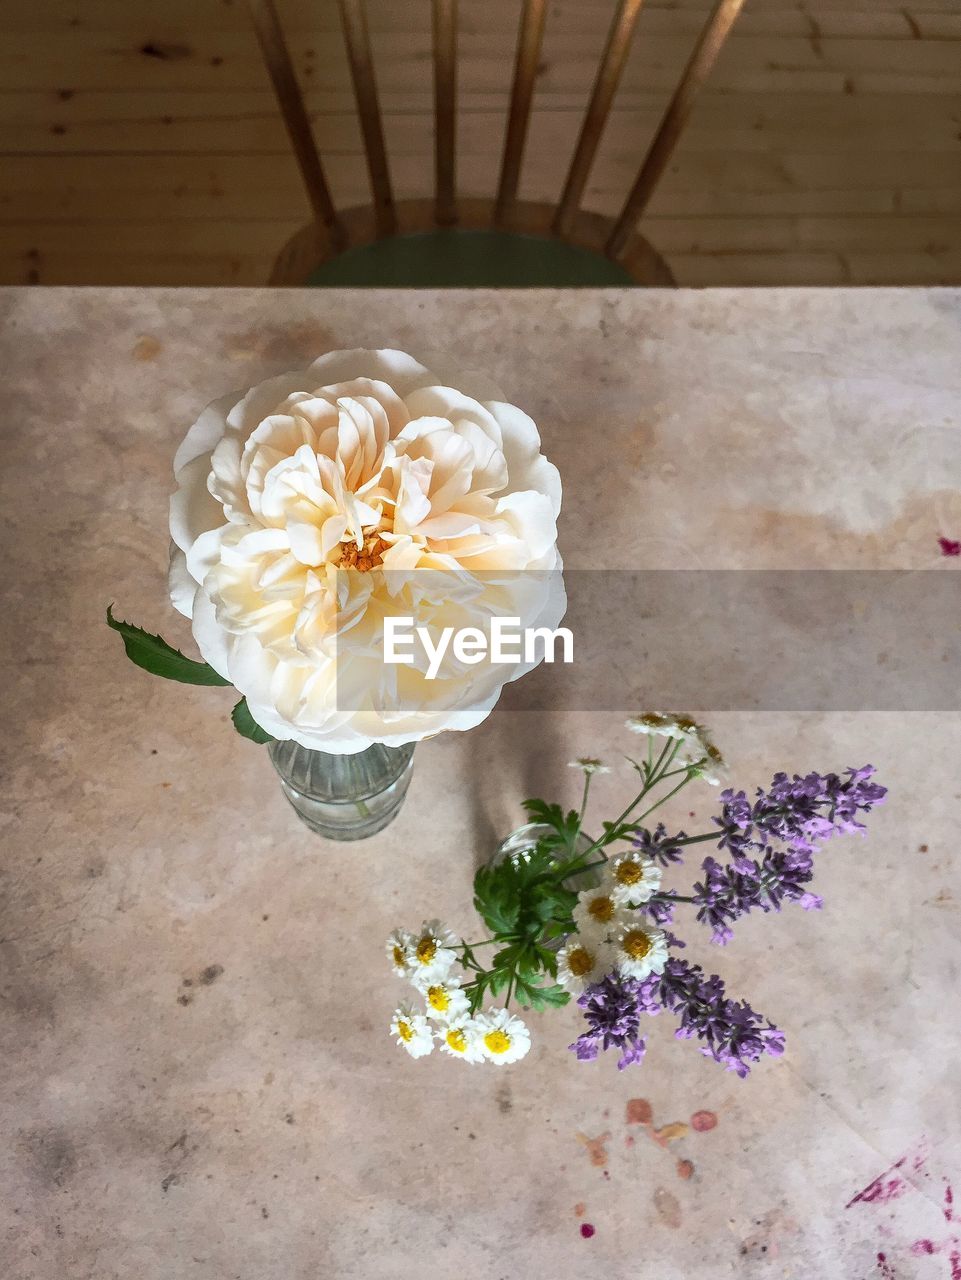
pixel 548 997
pixel 247 726
pixel 153 654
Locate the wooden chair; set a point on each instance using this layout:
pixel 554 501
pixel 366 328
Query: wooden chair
pixel 451 240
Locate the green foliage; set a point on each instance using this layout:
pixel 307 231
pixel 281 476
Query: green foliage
pixel 246 725
pixel 156 656
pixel 564 827
pixel 525 905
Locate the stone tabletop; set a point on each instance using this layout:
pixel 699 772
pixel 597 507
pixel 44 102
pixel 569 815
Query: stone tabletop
pixel 197 1080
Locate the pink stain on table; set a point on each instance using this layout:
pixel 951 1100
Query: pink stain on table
pixel 951 1246
pixel 890 1184
pixel 949 547
pixel 885 1267
pixel 638 1111
pixel 587 1230
pixel 703 1121
pixel 595 1148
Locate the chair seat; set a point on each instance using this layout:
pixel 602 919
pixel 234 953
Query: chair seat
pixel 452 258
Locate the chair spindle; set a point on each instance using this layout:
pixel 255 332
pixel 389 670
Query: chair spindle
pixel 445 93
pixel 525 72
pixel 605 86
pixel 353 14
pixel 702 60
pixel 291 103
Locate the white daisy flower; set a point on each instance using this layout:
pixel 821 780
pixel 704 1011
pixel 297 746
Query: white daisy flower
pixel 639 949
pixel 503 1038
pixel 634 878
pixel 444 999
pixel 400 952
pixel 712 768
pixel 589 765
pixel 412 1031
pixel 596 912
pixel 583 960
pixel 461 1039
pixel 431 953
pixel 656 725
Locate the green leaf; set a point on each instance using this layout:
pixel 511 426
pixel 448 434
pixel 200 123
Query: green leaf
pixel 156 656
pixel 246 725
pixel 548 997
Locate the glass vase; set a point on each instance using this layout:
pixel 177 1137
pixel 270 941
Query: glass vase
pixel 520 844
pixel 344 797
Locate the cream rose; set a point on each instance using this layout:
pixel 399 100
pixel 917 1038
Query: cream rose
pixel 437 501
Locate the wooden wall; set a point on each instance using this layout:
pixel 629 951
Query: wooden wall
pixel 141 145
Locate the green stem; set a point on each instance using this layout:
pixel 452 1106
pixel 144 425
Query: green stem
pixel 657 804
pixel 708 835
pixel 670 751
pixel 583 810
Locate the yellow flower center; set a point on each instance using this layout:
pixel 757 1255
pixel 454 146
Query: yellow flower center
pixel 364 558
pixel 601 909
pixel 636 944
pixel 438 998
pixel 456 1040
pixel 628 873
pixel 400 957
pixel 405 1031
pixel 497 1041
pixel 426 950
pixel 580 961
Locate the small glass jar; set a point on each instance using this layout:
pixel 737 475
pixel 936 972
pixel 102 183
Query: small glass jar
pixel 344 797
pixel 520 844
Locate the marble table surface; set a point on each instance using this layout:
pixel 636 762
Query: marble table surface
pixel 197 1080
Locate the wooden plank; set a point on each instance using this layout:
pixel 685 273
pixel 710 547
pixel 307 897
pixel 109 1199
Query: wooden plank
pixel 175 18
pixel 212 62
pixel 248 123
pixel 146 268
pixel 758 269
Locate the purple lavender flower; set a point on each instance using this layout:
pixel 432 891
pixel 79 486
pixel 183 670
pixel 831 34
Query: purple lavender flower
pixel 796 812
pixel 729 1030
pixel 660 908
pixel 658 844
pixel 613 1012
pixel 736 822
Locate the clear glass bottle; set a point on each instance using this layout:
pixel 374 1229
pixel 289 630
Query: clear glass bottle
pixel 344 797
pixel 520 844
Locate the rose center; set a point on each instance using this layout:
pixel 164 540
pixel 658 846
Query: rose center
pixel 628 873
pixel 457 1040
pixel 636 944
pixel 580 962
pixel 364 558
pixel 426 950
pixel 497 1041
pixel 438 999
pixel 601 909
pixel 405 1031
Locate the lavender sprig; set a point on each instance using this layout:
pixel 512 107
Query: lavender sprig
pixel 797 812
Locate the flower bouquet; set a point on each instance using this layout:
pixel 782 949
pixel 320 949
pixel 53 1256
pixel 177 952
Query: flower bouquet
pixel 591 919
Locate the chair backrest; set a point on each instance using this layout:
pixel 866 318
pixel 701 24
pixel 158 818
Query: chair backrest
pixel 530 36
